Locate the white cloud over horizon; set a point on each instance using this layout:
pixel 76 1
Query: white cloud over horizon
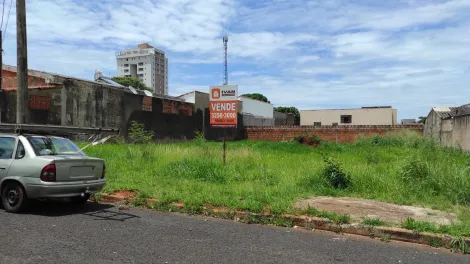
pixel 409 54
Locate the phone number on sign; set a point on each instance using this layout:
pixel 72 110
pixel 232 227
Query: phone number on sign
pixel 224 115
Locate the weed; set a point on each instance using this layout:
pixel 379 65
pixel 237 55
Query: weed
pixel 419 226
pixel 338 219
pixel 138 202
pixel 373 222
pixel 435 242
pixel 416 169
pixel 459 244
pixel 274 175
pixel 385 238
pixel 199 136
pixel 334 174
pixel 299 139
pixel 138 134
pixel 282 221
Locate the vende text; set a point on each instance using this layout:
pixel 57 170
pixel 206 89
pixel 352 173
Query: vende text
pixel 224 106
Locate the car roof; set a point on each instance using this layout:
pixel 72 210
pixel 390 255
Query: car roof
pixel 27 135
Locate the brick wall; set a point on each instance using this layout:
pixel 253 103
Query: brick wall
pixel 340 134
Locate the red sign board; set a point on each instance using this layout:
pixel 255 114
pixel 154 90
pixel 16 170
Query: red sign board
pixel 223 106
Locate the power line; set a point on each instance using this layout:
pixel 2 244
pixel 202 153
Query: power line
pixel 3 13
pixel 8 18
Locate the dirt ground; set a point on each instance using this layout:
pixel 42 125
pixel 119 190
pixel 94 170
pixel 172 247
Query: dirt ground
pixel 362 208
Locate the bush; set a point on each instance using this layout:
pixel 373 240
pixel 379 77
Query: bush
pixel 416 169
pixel 299 139
pixel 310 140
pixel 138 134
pixel 199 136
pixel 314 139
pixel 334 174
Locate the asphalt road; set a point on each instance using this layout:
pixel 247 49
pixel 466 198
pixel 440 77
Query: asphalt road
pixel 65 233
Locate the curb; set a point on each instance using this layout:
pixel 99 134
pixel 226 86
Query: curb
pixel 311 222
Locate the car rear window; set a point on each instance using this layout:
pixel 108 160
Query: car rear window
pixel 7 145
pixel 44 146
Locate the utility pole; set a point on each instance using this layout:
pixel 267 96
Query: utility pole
pixel 22 110
pixel 225 40
pixel 2 101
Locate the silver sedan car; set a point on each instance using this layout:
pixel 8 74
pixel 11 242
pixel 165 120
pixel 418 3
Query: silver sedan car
pixel 41 167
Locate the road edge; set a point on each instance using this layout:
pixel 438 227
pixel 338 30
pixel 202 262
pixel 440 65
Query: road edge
pixel 310 222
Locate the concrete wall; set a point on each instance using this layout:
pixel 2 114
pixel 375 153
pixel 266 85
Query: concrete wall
pixel 461 132
pixel 432 126
pixel 254 121
pixel 455 132
pixel 284 119
pixel 451 132
pixel 89 104
pixel 256 107
pixel 372 116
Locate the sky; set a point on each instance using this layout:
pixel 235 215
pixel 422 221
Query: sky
pixel 408 54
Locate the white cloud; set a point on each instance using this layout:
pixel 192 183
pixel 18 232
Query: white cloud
pixel 409 54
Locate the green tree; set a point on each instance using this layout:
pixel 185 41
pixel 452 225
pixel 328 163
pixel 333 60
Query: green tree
pixel 290 110
pixel 130 81
pixel 257 96
pixel 422 119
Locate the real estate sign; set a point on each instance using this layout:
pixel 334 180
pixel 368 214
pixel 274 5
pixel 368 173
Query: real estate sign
pixel 223 106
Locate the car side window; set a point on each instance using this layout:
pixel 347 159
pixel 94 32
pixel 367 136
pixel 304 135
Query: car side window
pixel 20 151
pixel 7 146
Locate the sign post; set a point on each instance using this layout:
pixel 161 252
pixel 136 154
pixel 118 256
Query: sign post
pixel 223 109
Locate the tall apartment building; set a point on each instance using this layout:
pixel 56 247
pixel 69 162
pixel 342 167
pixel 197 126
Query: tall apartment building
pixel 147 64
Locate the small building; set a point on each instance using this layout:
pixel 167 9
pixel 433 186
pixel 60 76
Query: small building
pixel 256 112
pixel 450 126
pixel 375 115
pixel 408 121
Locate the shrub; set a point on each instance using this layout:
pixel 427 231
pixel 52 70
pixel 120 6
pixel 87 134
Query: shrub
pixel 415 169
pixel 333 173
pixel 314 139
pixel 310 140
pixel 299 139
pixel 199 136
pixel 138 134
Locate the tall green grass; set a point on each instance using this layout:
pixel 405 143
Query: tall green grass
pixel 403 169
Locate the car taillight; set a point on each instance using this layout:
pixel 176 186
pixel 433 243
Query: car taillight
pixel 104 171
pixel 48 173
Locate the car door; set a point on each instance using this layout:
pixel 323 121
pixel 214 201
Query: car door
pixel 7 151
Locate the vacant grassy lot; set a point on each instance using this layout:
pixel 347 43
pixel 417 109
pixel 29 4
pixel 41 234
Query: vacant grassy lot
pixel 399 169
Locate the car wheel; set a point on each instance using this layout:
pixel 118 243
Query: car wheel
pixel 14 198
pixel 80 199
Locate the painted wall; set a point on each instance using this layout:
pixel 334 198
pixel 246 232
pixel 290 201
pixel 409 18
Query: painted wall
pixel 361 117
pixel 256 108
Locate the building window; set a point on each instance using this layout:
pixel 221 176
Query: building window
pixel 141 69
pixel 126 70
pixel 141 63
pixel 346 119
pixel 126 65
pixel 316 123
